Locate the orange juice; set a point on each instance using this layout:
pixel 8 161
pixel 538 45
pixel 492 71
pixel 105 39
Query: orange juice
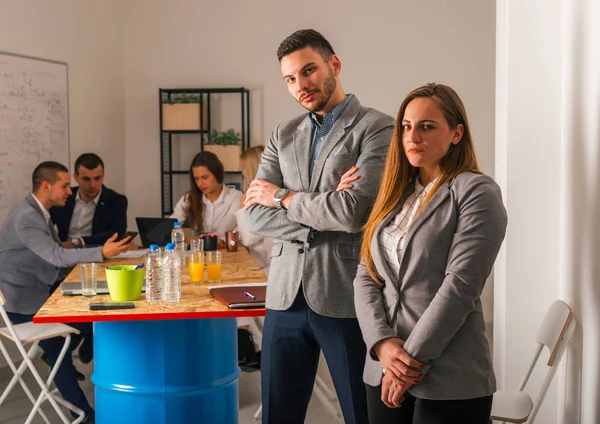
pixel 196 271
pixel 214 271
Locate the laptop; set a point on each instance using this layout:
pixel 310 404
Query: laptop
pixel 155 230
pixel 74 288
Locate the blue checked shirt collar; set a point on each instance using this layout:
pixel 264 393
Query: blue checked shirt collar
pixel 321 130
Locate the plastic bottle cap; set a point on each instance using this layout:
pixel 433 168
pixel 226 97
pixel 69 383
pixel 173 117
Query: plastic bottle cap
pixel 170 246
pixel 154 247
pixel 177 224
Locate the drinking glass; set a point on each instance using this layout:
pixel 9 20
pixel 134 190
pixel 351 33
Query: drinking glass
pixel 89 279
pixel 213 265
pixel 196 263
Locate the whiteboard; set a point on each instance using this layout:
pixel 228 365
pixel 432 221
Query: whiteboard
pixel 34 122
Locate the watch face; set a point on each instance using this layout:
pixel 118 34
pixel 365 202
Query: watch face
pixel 280 193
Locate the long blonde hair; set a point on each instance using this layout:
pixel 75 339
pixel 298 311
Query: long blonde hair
pixel 249 162
pixel 398 172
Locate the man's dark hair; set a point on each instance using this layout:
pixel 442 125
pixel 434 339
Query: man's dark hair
pixel 305 38
pixel 89 161
pixel 46 171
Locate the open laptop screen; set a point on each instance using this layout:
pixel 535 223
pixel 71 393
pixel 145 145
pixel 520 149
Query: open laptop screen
pixel 155 230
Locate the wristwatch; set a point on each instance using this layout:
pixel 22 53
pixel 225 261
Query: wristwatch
pixel 279 196
pixel 77 243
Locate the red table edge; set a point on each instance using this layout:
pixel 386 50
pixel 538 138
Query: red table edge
pixel 238 313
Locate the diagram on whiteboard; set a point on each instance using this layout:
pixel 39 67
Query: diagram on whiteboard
pixel 34 122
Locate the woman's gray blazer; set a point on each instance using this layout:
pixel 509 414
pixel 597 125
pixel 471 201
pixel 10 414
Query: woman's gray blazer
pixel 434 304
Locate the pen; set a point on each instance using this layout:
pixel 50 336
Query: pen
pixel 249 295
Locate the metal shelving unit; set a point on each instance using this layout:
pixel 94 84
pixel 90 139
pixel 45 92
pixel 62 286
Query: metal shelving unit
pixel 167 140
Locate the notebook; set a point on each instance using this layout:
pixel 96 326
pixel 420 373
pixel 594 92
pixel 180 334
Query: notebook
pixel 155 230
pixel 74 288
pixel 241 296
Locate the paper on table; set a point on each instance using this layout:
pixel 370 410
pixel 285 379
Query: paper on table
pixel 131 254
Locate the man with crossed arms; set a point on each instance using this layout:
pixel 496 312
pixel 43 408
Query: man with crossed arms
pixel 318 232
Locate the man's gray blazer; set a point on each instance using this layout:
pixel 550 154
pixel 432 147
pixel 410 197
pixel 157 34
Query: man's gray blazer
pixel 434 304
pixel 326 265
pixel 30 257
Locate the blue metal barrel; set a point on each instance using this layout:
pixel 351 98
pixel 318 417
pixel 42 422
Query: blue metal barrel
pixel 172 371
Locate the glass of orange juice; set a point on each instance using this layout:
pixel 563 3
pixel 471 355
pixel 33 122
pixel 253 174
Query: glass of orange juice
pixel 213 265
pixel 196 262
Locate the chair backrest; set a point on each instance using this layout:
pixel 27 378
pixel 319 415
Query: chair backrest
pixel 556 330
pixel 2 299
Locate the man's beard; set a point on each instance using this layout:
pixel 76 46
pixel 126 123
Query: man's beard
pixel 328 89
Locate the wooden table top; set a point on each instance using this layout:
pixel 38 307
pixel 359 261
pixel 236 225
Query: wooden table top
pixel 195 302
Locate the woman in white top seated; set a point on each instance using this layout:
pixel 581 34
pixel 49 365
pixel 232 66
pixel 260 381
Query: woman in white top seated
pixel 209 207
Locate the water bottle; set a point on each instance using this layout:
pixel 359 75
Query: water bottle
pixel 154 274
pixel 171 274
pixel 178 239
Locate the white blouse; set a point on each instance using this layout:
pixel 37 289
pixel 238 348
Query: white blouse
pixel 217 217
pixel 391 238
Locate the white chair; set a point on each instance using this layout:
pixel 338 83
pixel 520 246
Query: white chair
pixel 323 393
pixel 554 333
pixel 26 333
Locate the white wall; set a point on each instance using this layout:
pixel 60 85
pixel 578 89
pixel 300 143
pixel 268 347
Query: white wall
pixel 89 37
pixel 386 48
pixel 547 161
pixel 528 123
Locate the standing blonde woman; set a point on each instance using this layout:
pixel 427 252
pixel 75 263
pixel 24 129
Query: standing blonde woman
pixel 259 246
pixel 429 245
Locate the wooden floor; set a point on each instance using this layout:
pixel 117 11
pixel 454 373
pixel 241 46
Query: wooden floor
pixel 17 407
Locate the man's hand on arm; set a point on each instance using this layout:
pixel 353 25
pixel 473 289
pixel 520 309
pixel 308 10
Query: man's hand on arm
pixel 261 192
pixel 345 184
pixel 347 179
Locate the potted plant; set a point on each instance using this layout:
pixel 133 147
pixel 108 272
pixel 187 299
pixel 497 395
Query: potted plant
pixel 181 111
pixel 227 146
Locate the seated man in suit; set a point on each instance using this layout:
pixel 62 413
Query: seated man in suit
pixel 90 217
pixel 30 257
pixel 94 212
